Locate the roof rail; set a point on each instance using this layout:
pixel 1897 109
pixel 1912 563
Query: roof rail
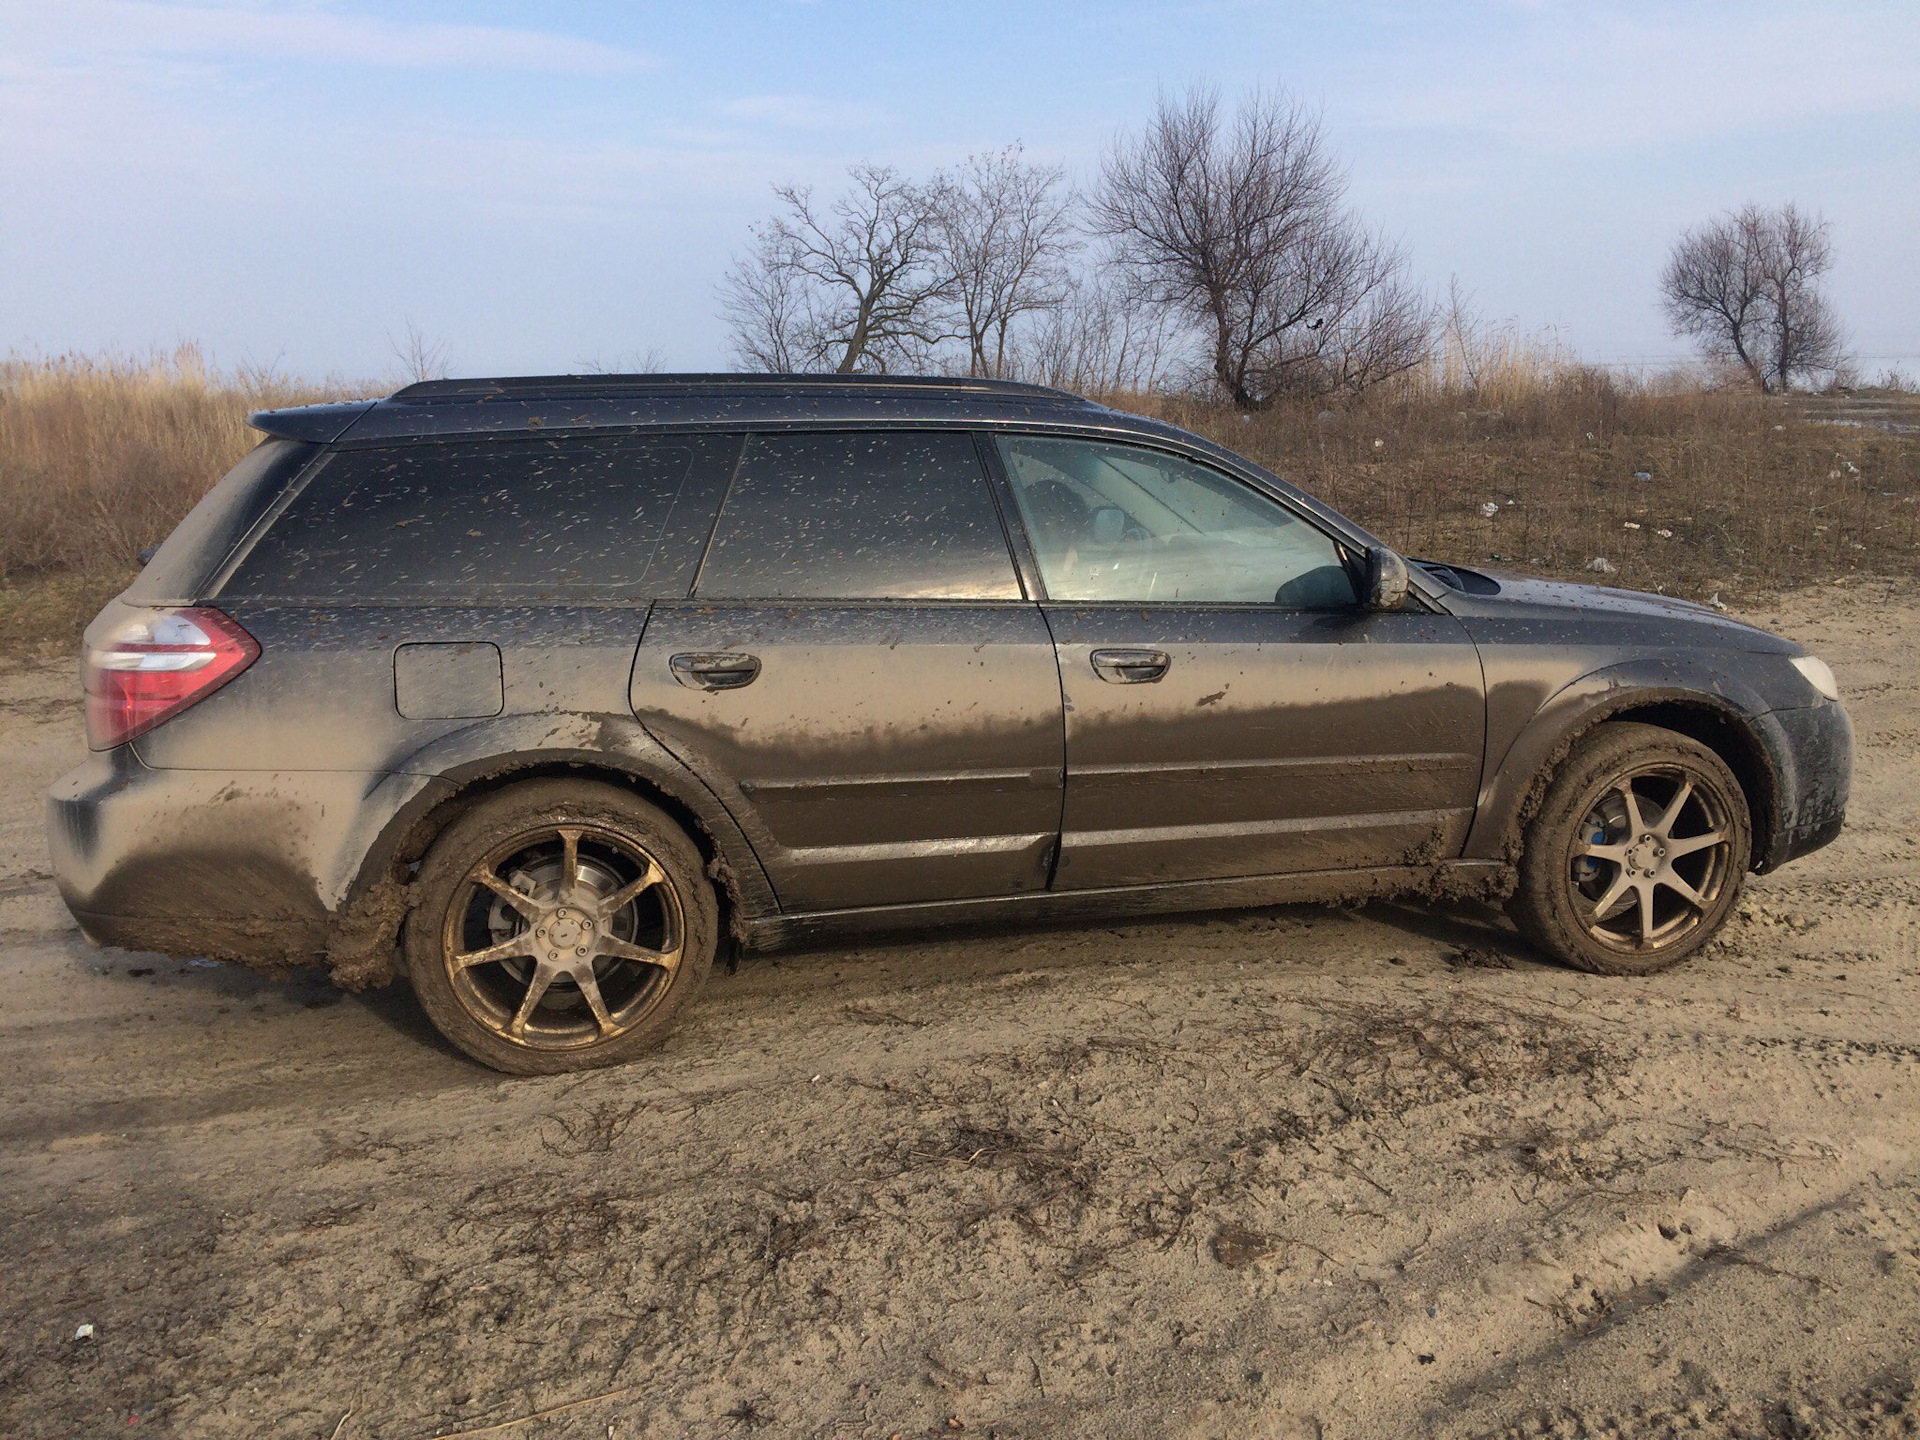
pixel 528 387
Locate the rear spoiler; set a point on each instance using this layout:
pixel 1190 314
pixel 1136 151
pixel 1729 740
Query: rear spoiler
pixel 316 423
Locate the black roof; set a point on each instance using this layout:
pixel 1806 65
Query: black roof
pixel 554 402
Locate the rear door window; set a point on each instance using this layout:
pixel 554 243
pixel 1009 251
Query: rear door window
pixel 567 519
pixel 860 516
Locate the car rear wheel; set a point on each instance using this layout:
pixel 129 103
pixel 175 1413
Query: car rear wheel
pixel 1637 853
pixel 560 925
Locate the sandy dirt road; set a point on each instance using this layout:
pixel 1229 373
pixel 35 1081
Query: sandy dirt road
pixel 1300 1172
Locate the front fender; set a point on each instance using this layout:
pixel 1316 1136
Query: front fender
pixel 1513 784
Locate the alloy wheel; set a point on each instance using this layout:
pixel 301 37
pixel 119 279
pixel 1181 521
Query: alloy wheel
pixel 564 937
pixel 1650 859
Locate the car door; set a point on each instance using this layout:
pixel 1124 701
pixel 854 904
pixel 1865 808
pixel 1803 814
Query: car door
pixel 1231 710
pixel 860 677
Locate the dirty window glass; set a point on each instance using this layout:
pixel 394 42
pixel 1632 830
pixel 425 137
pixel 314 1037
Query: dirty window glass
pixel 883 516
pixel 220 521
pixel 1116 522
pixel 519 520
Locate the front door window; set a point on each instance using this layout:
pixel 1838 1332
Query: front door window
pixel 1120 523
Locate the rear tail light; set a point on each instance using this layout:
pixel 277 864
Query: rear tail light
pixel 154 664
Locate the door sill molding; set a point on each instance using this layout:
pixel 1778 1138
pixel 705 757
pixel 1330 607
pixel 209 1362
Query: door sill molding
pixel 1452 879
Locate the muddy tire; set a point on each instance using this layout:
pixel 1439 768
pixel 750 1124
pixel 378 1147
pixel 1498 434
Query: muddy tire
pixel 1637 853
pixel 560 925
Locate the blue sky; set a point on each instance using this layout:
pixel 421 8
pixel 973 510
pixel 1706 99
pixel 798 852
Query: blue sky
pixel 546 185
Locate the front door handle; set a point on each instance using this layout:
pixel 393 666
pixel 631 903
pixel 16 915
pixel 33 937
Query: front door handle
pixel 707 670
pixel 1130 667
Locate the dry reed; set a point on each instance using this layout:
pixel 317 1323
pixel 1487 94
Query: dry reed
pixel 101 457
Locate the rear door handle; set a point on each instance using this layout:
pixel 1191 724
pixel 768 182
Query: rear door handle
pixel 707 670
pixel 1130 667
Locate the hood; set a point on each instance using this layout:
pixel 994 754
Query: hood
pixel 1607 608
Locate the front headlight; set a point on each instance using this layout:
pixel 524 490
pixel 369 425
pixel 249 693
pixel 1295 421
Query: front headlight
pixel 1819 675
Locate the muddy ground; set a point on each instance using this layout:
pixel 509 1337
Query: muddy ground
pixel 1291 1173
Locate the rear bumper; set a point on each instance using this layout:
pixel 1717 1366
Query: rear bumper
pixel 1813 755
pixel 253 866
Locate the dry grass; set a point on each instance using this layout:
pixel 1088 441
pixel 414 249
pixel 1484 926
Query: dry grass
pixel 101 457
pixel 1753 496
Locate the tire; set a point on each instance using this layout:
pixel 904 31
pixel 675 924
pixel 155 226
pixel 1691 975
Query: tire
pixel 616 952
pixel 1615 876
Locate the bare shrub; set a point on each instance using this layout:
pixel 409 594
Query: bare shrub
pixel 421 357
pixel 1095 343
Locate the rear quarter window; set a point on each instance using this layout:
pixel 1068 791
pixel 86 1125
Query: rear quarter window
pixel 567 519
pixel 199 544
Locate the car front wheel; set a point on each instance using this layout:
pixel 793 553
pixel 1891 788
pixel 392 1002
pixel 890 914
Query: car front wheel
pixel 560 925
pixel 1637 853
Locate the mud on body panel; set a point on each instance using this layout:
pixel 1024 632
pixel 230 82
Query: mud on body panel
pixel 248 866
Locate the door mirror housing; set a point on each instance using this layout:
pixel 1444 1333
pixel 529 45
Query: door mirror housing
pixel 1386 579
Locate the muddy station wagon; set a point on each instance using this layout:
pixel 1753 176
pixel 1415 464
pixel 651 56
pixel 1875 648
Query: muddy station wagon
pixel 536 689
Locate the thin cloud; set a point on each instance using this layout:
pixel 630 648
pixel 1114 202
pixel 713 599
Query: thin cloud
pixel 1589 83
pixel 257 32
pixel 802 112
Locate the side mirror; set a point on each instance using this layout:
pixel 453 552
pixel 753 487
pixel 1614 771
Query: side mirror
pixel 1386 579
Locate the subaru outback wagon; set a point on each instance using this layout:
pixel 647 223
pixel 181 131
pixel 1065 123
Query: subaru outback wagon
pixel 534 689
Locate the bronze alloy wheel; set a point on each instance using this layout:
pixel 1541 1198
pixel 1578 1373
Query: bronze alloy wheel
pixel 1650 859
pixel 560 924
pixel 563 937
pixel 1636 854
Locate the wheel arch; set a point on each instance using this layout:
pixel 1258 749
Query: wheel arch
pixel 366 929
pixel 1729 734
pixel 1512 795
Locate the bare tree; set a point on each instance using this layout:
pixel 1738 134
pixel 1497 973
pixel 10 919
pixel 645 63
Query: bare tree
pixel 1745 288
pixel 651 361
pixel 765 302
pixel 1368 323
pixel 1241 228
pixel 1095 342
pixel 856 287
pixel 1002 231
pixel 420 357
